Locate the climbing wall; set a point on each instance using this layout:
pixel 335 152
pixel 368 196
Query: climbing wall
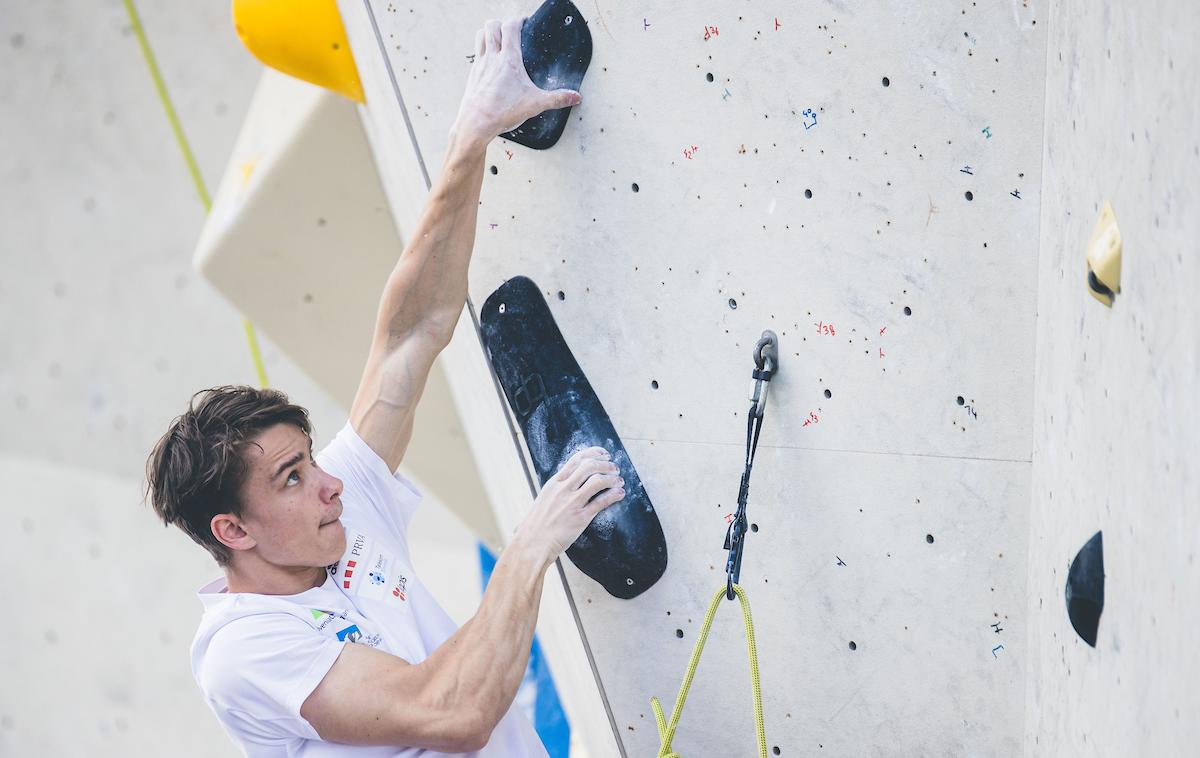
pixel 1118 391
pixel 863 180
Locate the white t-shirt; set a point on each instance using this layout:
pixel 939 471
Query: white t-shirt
pixel 258 657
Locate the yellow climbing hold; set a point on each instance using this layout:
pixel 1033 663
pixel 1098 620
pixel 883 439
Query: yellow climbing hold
pixel 666 732
pixel 301 38
pixel 1104 257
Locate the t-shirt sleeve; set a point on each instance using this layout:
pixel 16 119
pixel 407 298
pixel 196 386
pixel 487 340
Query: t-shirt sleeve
pixel 390 495
pixel 258 671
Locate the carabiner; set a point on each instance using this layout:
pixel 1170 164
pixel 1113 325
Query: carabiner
pixel 766 360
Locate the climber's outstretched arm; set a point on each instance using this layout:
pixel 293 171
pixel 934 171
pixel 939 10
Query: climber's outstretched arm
pixel 426 291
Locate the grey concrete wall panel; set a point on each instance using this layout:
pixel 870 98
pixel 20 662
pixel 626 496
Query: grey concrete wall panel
pixel 1118 391
pixel 888 234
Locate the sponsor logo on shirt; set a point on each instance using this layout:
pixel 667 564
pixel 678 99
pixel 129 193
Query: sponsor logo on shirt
pixel 325 617
pixel 354 635
pixel 379 572
pixel 357 553
pixel 369 572
pixel 351 633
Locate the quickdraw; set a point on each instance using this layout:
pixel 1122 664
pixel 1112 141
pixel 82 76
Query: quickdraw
pixel 766 362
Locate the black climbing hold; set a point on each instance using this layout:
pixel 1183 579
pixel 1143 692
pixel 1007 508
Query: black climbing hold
pixel 556 47
pixel 623 548
pixel 1085 589
pixel 887 82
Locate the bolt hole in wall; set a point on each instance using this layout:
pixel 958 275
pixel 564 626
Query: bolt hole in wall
pixel 961 401
pixel 635 188
pixel 775 750
pixel 907 311
pixel 969 195
pixel 562 295
pixel 887 82
pixel 679 633
pixel 929 538
pixel 754 527
pixel 653 384
pixel 709 77
pixel 494 170
pixel 828 394
pixel 808 194
pixel 853 645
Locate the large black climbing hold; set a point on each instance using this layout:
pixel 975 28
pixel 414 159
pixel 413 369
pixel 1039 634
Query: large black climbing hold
pixel 557 48
pixel 1085 589
pixel 623 548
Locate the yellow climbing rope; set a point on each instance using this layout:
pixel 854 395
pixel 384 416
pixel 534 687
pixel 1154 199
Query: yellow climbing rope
pixel 161 87
pixel 666 733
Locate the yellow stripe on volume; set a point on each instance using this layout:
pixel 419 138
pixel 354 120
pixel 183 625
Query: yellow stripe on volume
pixel 190 159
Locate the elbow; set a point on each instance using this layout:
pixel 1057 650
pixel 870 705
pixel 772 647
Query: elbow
pixel 475 744
pixel 481 730
pixel 458 725
pixel 470 735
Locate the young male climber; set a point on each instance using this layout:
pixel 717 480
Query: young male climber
pixel 319 640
